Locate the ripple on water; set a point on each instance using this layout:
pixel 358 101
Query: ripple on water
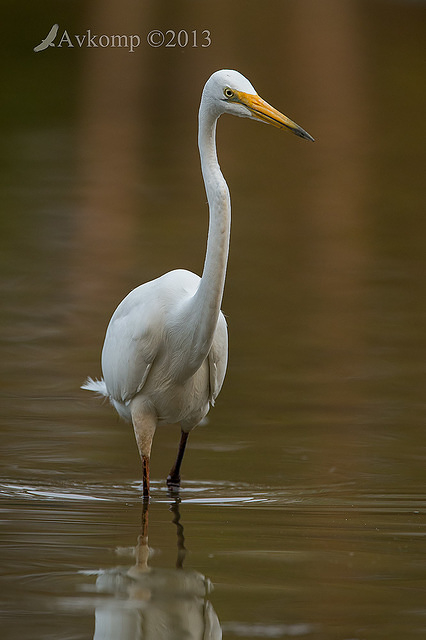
pixel 59 534
pixel 336 497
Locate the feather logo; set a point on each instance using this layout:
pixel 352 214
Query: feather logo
pixel 48 41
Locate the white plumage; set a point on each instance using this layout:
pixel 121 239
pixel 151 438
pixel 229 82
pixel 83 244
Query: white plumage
pixel 166 347
pixel 144 352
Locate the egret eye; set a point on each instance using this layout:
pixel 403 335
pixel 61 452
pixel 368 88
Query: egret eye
pixel 228 93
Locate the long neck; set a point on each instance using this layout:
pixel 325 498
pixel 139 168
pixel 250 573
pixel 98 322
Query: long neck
pixel 210 292
pixel 203 309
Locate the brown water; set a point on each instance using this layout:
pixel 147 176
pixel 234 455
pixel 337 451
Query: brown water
pixel 302 510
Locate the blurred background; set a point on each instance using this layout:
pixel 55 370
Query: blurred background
pixel 101 190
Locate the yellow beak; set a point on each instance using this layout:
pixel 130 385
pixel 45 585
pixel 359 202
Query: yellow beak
pixel 263 111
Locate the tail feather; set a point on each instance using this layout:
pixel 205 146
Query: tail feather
pixel 98 386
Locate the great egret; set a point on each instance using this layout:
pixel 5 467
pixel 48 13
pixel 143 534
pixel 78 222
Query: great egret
pixel 166 347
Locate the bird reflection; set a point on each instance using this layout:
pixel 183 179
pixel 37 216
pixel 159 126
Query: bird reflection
pixel 154 603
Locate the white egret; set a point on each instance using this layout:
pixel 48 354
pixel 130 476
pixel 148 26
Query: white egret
pixel 166 347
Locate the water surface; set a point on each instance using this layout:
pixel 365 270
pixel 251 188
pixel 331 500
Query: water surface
pixel 302 509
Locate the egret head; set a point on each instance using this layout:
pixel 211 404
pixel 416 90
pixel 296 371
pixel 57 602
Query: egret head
pixel 228 91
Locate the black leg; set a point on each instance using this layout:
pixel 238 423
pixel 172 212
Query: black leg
pixel 173 479
pixel 145 478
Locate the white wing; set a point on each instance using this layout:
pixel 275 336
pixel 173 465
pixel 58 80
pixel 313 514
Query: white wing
pixel 218 358
pixel 136 332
